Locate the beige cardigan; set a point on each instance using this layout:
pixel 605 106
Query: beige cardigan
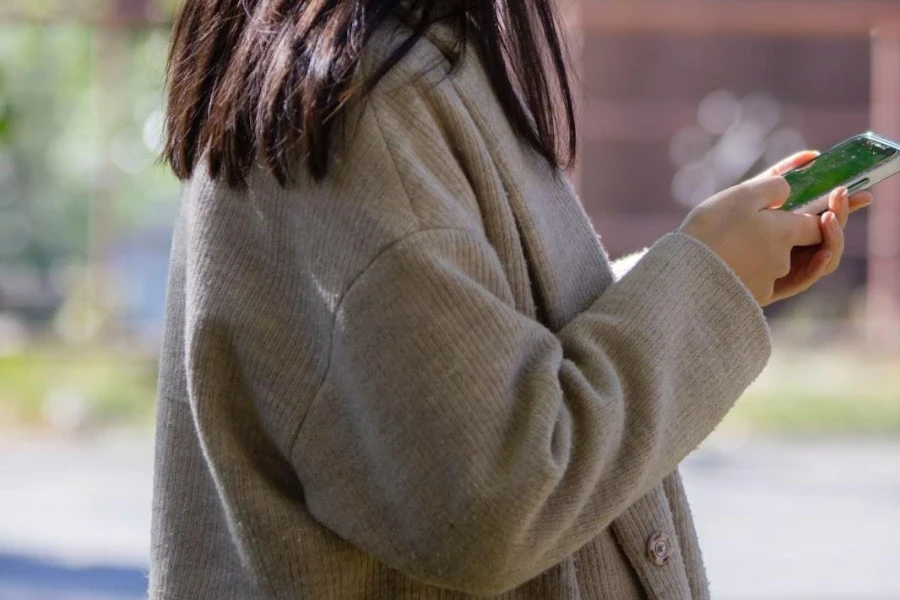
pixel 420 379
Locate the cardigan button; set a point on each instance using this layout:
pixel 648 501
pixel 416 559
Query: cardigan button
pixel 659 548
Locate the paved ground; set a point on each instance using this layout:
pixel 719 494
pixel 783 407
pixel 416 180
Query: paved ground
pixel 778 520
pixel 816 521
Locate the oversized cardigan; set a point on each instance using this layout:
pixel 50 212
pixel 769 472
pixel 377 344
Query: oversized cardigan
pixel 420 378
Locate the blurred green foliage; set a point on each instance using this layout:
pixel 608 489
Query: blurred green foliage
pixel 805 390
pixel 49 387
pixel 153 10
pixel 80 120
pixel 815 413
pixel 80 125
pixel 4 120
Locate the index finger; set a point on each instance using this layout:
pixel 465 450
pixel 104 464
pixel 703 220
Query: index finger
pixel 860 200
pixel 765 192
pixel 798 229
pixel 791 162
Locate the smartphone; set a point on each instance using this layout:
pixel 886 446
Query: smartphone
pixel 857 163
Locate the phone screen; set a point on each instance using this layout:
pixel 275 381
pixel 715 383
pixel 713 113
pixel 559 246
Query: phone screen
pixel 834 168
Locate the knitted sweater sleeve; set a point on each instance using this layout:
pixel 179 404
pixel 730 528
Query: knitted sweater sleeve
pixel 467 445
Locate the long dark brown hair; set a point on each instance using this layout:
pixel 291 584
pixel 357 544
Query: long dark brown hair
pixel 266 80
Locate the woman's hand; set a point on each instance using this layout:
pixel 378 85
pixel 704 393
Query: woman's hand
pixel 809 264
pixel 776 254
pixel 754 241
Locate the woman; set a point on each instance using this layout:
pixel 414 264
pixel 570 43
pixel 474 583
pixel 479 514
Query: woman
pixel 397 362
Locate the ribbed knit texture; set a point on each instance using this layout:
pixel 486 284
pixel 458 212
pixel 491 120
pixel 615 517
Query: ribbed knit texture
pixel 420 379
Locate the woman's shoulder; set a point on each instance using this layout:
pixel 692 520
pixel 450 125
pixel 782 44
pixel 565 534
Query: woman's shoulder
pixel 440 73
pixel 415 127
pixel 441 95
pixel 401 163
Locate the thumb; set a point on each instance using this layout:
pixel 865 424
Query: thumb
pixel 769 191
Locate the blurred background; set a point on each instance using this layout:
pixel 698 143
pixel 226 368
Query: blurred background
pixel 680 98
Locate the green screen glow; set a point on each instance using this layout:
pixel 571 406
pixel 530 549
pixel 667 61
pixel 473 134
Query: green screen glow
pixel 839 166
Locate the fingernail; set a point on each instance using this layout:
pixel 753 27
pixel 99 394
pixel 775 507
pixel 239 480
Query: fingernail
pixel 826 258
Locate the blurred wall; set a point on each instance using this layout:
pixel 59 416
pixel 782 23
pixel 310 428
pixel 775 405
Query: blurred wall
pixel 669 120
